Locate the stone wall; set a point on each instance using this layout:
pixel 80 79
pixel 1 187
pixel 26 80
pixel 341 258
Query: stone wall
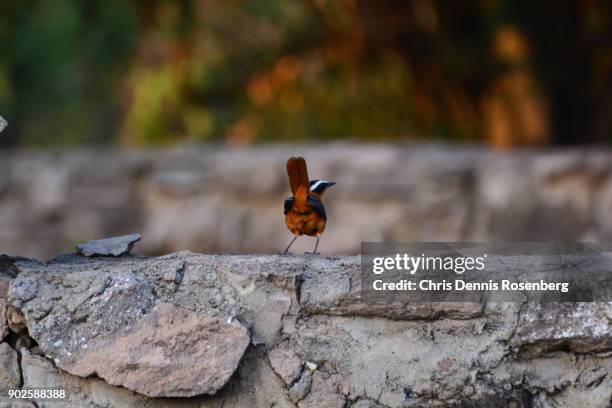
pixel 244 331
pixel 209 199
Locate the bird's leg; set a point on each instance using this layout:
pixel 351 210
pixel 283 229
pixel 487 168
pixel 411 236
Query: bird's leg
pixel 315 250
pixel 286 251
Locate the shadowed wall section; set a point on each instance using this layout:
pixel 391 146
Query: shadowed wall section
pixel 225 200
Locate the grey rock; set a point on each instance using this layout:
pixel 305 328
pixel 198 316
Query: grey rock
pixel 3 123
pixel 285 363
pixel 324 392
pixel 38 371
pixel 115 246
pixel 259 384
pixel 4 328
pixel 254 385
pixel 5 282
pixel 17 404
pixel 301 388
pixel 101 316
pixel 24 289
pixel 9 368
pixel 365 403
pixel 580 327
pixel 333 287
pixel 171 352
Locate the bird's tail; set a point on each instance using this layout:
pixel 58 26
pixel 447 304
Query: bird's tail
pixel 298 179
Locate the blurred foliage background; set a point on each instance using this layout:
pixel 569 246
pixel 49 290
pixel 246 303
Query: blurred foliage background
pixel 148 72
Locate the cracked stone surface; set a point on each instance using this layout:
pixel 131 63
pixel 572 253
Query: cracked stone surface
pixel 325 391
pixel 301 388
pixel 286 363
pixel 310 340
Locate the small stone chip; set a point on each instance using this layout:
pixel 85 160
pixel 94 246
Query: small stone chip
pixel 311 366
pixel 115 246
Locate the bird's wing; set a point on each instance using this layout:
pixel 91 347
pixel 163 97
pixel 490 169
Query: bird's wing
pixel 317 205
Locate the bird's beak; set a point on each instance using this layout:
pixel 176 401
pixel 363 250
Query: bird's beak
pixel 331 183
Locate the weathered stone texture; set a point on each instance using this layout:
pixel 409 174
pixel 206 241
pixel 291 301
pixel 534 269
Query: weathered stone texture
pixel 178 325
pixel 171 352
pixel 93 317
pixel 580 327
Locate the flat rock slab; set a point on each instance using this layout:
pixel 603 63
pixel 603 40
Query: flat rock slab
pixel 115 246
pixel 580 327
pixel 101 316
pixel 172 352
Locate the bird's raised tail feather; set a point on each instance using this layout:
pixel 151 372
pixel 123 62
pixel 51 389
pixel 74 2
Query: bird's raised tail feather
pixel 298 178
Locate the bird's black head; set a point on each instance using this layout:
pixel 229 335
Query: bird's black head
pixel 319 186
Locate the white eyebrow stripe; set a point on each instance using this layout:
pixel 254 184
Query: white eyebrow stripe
pixel 317 184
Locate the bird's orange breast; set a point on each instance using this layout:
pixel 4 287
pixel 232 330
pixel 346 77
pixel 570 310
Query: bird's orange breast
pixel 308 222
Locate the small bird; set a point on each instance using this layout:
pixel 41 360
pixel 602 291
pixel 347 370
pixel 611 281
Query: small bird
pixel 304 211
